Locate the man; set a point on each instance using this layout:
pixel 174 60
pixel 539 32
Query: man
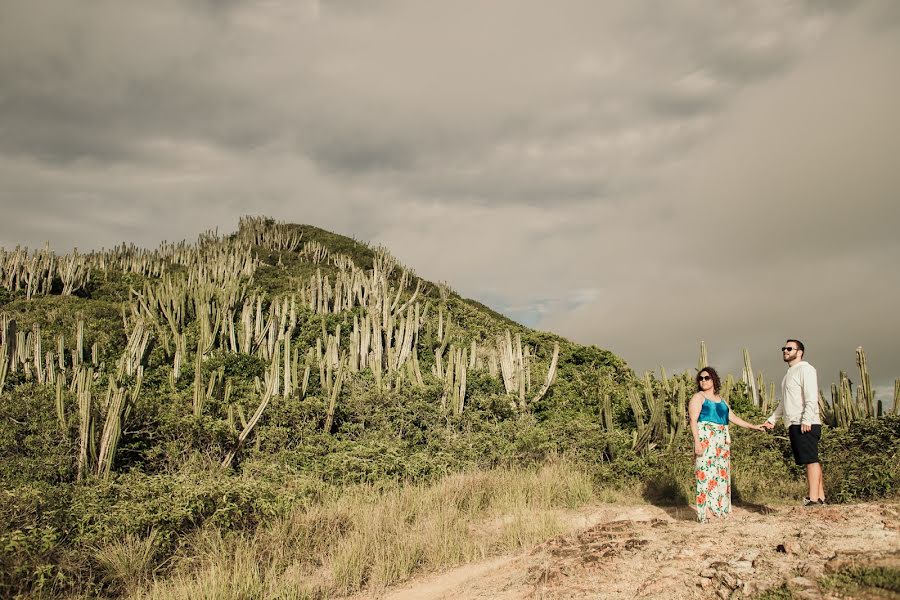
pixel 799 407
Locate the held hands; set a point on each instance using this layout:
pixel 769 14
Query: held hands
pixel 767 425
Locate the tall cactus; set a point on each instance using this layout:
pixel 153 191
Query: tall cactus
pixel 335 392
pixel 82 386
pixel 249 425
pixel 896 407
pixel 750 380
pixel 865 384
pixel 704 357
pixel 551 374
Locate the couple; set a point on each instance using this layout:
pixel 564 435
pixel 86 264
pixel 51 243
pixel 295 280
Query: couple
pixel 710 415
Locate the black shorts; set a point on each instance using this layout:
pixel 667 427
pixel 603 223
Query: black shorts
pixel 805 445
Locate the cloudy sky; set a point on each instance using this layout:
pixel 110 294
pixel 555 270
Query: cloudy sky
pixel 635 174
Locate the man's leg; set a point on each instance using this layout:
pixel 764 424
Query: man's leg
pixel 821 483
pixel 814 479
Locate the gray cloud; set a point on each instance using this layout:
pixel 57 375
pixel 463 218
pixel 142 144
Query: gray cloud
pixel 558 161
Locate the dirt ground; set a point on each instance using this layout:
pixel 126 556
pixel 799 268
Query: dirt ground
pixel 651 552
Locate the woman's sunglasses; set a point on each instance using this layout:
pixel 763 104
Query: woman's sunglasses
pixel 704 378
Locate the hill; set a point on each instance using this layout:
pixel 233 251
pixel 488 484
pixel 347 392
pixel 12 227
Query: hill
pixel 248 380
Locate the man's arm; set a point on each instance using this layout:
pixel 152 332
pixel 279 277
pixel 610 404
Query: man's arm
pixel 810 386
pixel 779 412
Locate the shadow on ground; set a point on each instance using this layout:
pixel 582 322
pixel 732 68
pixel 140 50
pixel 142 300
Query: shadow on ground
pixel 670 494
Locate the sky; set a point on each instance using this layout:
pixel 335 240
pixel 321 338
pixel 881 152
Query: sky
pixel 634 174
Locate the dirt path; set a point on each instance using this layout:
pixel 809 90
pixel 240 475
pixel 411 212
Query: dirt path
pixel 650 552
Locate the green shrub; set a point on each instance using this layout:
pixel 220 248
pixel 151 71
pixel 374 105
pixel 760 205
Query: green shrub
pixel 862 461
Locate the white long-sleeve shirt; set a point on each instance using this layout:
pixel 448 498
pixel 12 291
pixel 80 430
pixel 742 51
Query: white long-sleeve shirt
pixel 799 396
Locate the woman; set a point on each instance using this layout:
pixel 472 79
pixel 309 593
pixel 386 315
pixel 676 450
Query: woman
pixel 710 416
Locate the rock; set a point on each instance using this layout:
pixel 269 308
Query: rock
pixel 751 555
pixel 814 571
pixel 788 547
pixel 729 580
pixel 841 561
pixel 708 573
pixel 803 582
pixel 808 594
pixel 742 566
pixel 723 593
pixel 705 583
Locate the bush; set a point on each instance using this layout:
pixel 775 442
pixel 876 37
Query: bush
pixel 862 461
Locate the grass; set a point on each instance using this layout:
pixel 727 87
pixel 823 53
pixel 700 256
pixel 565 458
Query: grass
pixel 367 538
pixel 127 563
pixel 782 592
pixel 865 581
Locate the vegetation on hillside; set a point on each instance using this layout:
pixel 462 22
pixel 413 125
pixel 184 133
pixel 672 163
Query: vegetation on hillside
pixel 159 405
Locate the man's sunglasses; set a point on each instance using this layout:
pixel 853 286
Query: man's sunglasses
pixel 704 378
pixel 787 349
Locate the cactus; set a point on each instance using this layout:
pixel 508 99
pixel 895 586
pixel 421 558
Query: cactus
pixel 551 374
pixel 199 397
pixel 727 387
pixel 60 408
pixel 249 425
pixel 896 406
pixel 642 434
pixel 750 380
pixel 335 391
pixel 8 352
pixel 82 386
pixel 606 414
pixel 865 384
pixel 677 414
pixel 704 358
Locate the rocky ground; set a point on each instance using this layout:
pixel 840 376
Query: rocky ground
pixel 652 552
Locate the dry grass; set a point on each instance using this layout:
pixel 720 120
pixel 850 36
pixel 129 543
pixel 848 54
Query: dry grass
pixel 128 563
pixel 366 538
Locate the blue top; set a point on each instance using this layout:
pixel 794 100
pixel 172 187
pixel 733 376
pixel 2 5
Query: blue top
pixel 714 412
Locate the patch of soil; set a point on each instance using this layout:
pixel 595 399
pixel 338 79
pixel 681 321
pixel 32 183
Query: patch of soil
pixel 649 552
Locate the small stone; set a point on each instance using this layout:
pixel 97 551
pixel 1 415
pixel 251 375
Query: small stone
pixel 788 547
pixel 808 594
pixel 751 555
pixel 705 583
pixel 730 581
pixel 708 573
pixel 803 582
pixel 743 566
pixel 839 562
pixel 723 593
pixel 814 571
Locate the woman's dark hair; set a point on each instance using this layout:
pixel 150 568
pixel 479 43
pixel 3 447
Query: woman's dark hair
pixel 715 378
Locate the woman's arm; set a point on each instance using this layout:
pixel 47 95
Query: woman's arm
pixel 733 418
pixel 694 407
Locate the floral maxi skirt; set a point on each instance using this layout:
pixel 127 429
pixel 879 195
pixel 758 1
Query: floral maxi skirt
pixel 712 470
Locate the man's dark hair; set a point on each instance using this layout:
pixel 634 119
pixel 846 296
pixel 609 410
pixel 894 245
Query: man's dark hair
pixel 799 345
pixel 715 379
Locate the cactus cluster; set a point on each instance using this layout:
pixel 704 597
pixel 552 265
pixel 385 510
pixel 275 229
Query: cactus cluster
pixel 845 407
pixel 260 231
pixel 660 412
pixel 514 359
pixel 198 300
pixel 40 273
pixel 72 376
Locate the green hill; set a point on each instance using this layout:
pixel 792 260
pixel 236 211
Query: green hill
pixel 155 394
